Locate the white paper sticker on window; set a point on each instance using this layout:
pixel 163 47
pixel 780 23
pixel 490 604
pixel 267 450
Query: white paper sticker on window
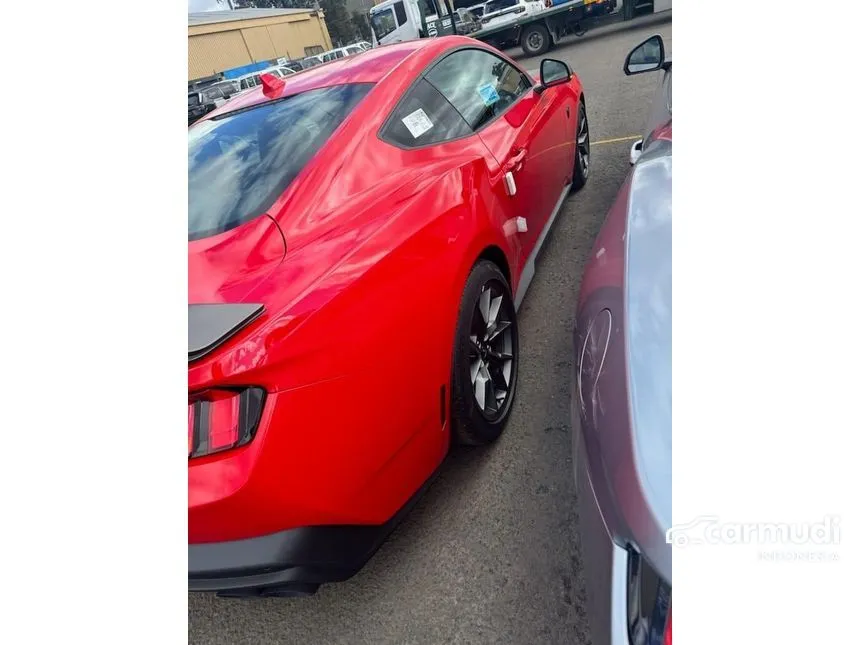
pixel 417 123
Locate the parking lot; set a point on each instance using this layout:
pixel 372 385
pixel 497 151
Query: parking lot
pixel 490 554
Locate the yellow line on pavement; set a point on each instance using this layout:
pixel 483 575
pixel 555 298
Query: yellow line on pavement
pixel 619 139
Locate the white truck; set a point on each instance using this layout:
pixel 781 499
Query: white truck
pixel 393 21
pixel 535 30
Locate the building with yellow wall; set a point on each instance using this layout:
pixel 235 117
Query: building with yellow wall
pixel 243 40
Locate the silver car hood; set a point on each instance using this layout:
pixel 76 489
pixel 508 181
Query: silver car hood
pixel 648 329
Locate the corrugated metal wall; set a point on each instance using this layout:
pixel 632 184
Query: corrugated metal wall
pixel 308 33
pixel 259 44
pixel 289 38
pixel 230 45
pixel 324 28
pixel 212 53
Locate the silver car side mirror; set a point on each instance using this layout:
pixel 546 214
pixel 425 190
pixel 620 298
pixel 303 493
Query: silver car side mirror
pixel 646 57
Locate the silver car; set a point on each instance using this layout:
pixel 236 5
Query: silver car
pixel 623 390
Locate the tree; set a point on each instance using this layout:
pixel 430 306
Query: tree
pixel 360 24
pixel 340 27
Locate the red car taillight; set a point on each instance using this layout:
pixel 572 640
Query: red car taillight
pixel 222 419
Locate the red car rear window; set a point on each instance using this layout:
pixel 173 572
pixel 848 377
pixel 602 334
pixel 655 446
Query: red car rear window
pixel 240 163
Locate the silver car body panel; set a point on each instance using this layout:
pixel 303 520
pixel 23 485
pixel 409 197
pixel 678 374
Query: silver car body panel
pixel 623 376
pixel 606 566
pixel 648 345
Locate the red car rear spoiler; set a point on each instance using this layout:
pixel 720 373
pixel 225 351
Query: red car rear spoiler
pixel 211 325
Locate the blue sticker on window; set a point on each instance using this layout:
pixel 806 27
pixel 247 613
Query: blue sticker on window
pixel 488 93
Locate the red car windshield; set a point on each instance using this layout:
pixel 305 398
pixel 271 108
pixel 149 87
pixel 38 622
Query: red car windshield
pixel 240 163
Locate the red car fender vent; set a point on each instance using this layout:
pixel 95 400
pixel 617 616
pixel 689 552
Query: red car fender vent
pixel 219 420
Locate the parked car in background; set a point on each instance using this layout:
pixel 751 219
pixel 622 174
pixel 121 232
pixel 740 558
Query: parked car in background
pixel 197 108
pixel 477 10
pixel 281 71
pixel 623 390
pixel 364 45
pixel 501 12
pixel 205 100
pixel 310 61
pixel 303 64
pixel 249 81
pixel 468 22
pixel 228 88
pixel 340 52
pixel 307 441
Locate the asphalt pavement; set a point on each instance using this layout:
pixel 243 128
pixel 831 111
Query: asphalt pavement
pixel 490 554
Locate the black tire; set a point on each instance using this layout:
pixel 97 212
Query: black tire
pixel 535 40
pixel 581 153
pixel 475 423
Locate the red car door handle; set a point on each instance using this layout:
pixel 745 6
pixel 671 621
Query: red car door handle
pixel 515 160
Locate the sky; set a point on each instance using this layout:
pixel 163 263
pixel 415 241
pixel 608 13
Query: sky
pixel 195 6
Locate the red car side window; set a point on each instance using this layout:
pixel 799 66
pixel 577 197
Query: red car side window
pixel 479 84
pixel 423 118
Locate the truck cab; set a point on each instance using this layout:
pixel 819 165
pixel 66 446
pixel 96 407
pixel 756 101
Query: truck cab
pixel 393 21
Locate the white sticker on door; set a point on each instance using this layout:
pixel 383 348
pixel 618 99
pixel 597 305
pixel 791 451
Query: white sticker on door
pixel 417 123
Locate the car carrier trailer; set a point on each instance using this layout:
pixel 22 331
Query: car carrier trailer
pixel 399 20
pixel 538 33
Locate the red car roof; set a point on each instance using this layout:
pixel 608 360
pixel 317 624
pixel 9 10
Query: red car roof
pixel 368 67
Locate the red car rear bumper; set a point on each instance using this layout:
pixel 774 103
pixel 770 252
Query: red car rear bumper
pixel 289 563
pixel 308 500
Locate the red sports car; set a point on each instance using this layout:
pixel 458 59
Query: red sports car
pixel 360 237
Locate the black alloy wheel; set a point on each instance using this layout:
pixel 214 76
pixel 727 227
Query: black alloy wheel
pixel 582 154
pixel 485 357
